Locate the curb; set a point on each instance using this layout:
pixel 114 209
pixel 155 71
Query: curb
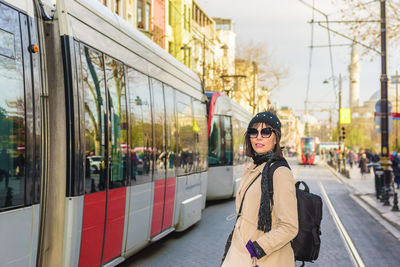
pixel 392 227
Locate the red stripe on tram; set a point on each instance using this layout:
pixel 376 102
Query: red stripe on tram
pixel 94 211
pixel 169 202
pixel 158 207
pixel 115 223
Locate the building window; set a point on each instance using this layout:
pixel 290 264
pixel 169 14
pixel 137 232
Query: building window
pixel 140 13
pixel 117 6
pixel 147 17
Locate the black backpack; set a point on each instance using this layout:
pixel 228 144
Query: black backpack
pixel 307 242
pixel 309 207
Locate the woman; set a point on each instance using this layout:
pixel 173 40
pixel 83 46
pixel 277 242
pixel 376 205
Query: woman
pixel 265 227
pixel 364 165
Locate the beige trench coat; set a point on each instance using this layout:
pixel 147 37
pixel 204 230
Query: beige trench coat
pixel 284 227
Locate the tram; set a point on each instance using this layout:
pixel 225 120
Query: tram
pixel 227 124
pixel 309 147
pixel 103 142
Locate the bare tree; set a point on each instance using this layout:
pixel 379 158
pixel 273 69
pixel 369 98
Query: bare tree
pixel 263 74
pixel 361 13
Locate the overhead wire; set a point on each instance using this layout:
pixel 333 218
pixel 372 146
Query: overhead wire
pixel 309 64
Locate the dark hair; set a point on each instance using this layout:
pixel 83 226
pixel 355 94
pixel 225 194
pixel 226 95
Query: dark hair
pixel 249 151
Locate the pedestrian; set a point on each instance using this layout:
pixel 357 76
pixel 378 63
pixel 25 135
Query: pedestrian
pixel 265 225
pixel 307 158
pixel 351 158
pixel 364 165
pixel 396 168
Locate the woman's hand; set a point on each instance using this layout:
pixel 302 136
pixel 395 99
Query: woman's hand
pixel 253 253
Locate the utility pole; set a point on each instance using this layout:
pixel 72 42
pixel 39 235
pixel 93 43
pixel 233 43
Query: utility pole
pixel 339 122
pixel 384 107
pixel 397 111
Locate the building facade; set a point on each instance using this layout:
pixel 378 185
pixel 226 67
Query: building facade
pixel 227 38
pixel 159 23
pixel 204 44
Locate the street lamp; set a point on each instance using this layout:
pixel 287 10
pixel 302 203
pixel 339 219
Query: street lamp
pixel 236 76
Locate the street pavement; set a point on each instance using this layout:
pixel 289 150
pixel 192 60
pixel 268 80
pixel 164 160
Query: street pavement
pixel 203 244
pixel 364 189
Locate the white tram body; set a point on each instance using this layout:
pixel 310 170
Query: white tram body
pixel 108 151
pixel 227 124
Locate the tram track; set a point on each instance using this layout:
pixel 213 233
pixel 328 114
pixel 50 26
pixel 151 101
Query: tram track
pixel 355 256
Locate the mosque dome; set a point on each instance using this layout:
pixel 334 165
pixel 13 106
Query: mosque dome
pixel 377 94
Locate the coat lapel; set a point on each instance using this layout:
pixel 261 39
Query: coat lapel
pixel 252 174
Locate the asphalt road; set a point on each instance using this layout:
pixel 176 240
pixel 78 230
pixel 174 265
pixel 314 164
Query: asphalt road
pixel 203 244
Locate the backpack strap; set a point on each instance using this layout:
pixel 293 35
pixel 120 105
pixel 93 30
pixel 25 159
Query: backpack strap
pixel 241 204
pixel 270 174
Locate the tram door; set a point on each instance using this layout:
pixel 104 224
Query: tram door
pixel 105 122
pixel 19 139
pixel 161 186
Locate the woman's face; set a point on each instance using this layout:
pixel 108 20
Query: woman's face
pixel 262 144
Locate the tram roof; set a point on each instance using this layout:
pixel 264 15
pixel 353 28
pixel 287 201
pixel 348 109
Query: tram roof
pixel 24 5
pixel 94 24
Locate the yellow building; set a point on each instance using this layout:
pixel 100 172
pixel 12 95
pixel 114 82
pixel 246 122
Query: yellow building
pixel 203 43
pixel 178 29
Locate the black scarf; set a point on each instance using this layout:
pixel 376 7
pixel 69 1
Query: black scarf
pixel 267 191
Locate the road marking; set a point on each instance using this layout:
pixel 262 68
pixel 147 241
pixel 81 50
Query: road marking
pixel 349 243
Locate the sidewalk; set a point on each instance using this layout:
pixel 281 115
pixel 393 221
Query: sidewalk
pixel 364 194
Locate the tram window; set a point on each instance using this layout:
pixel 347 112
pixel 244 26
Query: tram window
pixel 238 130
pixel 140 127
pixel 95 116
pixel 159 152
pixel 170 130
pixel 12 113
pixel 215 144
pixel 118 137
pixel 227 140
pixel 78 184
pixel 308 145
pixel 185 133
pixel 200 135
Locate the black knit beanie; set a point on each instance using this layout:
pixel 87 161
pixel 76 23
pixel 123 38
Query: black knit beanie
pixel 267 118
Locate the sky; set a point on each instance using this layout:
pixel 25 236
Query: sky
pixel 284 29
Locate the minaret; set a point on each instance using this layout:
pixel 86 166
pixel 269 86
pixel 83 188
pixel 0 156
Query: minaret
pixel 354 73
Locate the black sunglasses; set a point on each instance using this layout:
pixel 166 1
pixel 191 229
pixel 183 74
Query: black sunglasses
pixel 265 132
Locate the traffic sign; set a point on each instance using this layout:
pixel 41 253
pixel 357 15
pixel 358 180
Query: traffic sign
pixel 345 116
pixel 378 106
pixel 378 123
